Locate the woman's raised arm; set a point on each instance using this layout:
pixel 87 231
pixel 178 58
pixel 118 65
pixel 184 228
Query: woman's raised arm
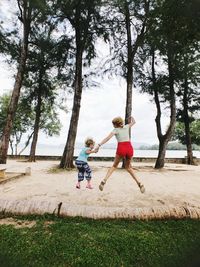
pixel 105 140
pixel 131 121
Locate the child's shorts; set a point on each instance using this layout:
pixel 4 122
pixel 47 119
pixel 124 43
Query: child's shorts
pixel 83 170
pixel 125 149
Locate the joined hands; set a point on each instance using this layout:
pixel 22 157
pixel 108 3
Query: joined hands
pixel 96 149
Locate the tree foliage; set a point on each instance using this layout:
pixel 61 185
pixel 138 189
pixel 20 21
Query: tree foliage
pixel 179 133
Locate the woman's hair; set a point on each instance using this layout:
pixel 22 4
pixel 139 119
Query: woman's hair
pixel 89 141
pixel 118 122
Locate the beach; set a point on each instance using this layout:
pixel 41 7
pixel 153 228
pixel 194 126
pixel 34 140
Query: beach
pixel 175 185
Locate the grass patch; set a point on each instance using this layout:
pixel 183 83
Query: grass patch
pixel 84 242
pixel 57 169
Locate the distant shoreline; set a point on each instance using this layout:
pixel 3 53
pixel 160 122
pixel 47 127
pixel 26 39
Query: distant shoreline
pixel 49 151
pixel 94 158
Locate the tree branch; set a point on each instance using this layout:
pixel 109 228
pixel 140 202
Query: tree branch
pixel 20 9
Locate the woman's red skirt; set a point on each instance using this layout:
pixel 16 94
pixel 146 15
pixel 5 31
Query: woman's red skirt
pixel 125 149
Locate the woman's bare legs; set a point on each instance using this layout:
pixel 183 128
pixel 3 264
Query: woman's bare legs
pixel 110 171
pixel 132 173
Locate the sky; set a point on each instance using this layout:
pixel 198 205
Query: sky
pixel 98 107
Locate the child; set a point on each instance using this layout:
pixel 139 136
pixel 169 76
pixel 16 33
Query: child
pixel 124 149
pixel 82 165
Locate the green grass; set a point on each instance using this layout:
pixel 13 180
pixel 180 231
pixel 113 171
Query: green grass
pixel 56 169
pixel 84 242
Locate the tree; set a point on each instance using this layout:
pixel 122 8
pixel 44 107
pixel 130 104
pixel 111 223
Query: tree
pixel 28 12
pixel 180 134
pixel 23 126
pixel 188 72
pixel 161 50
pixel 164 138
pixel 84 17
pixel 41 79
pixel 134 42
pixel 161 62
pixel 189 95
pixel 22 123
pixel 127 25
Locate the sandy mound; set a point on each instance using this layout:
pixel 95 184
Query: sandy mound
pixel 174 186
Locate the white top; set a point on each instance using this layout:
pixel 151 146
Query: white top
pixel 122 134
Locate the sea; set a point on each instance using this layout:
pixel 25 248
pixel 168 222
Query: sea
pixel 58 151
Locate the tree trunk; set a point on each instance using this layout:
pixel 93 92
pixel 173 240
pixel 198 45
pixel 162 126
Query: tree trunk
pixel 36 127
pixel 188 140
pixel 15 149
pixel 162 148
pixel 129 75
pixel 160 162
pixel 164 139
pixel 11 146
pixel 17 141
pixel 190 159
pixel 27 143
pixel 4 144
pixel 67 157
pixel 131 52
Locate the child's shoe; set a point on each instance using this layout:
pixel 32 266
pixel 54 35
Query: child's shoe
pixel 78 186
pixel 89 186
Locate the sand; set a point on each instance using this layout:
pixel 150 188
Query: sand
pixel 175 185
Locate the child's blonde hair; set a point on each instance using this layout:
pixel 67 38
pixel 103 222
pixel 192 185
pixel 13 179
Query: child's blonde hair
pixel 118 122
pixel 89 141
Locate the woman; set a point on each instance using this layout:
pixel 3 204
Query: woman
pixel 124 149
